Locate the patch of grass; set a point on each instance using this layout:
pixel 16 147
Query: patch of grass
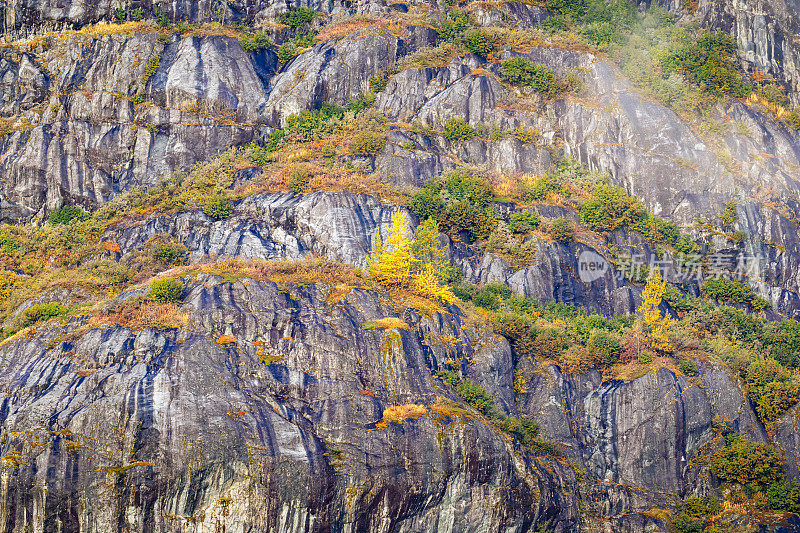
pixel 386 323
pixel 140 313
pixel 400 413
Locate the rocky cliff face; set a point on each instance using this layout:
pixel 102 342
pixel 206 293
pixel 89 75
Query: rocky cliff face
pixel 260 404
pixel 79 136
pixel 301 451
pixel 304 448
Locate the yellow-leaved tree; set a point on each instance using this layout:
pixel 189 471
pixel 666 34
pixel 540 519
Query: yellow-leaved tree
pixel 656 325
pixel 418 265
pixel 390 262
pixel 428 284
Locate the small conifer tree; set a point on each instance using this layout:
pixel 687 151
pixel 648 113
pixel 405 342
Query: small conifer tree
pixel 417 265
pixel 390 262
pixel 657 325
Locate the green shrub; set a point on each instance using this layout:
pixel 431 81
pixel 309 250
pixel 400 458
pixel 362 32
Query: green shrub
pixel 377 83
pixel 620 13
pixel 459 202
pixel 782 496
pixel 218 208
pixel 521 71
pixel 166 290
pixel 454 25
pixel 476 397
pixel 66 214
pixel 8 244
pixel 328 151
pixel 41 312
pixel 427 203
pixel 700 507
pixel 367 143
pixel 151 67
pixel 523 221
pixel 170 254
pixel 562 230
pixel 602 33
pixel 686 524
pixel 603 348
pixel 473 395
pixel 298 180
pixel 251 43
pixel 525 135
pixel 517 70
pixel 740 325
pixel 775 398
pixel 657 230
pixel 569 9
pixel 748 463
pixel 456 129
pixel 479 41
pixel 361 103
pixel 738 236
pixel 310 124
pixel 540 188
pixel 783 340
pixel 689 368
pixel 162 19
pixel 286 52
pixel 610 208
pixel 259 155
pixel 305 123
pixel 729 215
pixel 464 215
pixel 646 357
pixel 548 344
pixel 730 290
pixel 275 140
pixel 298 17
pixel 524 429
pixel 677 301
pixel 461 185
pixel 771 388
pixel 304 39
pixel 491 295
pixel 556 23
pixel 708 61
pixel 763 371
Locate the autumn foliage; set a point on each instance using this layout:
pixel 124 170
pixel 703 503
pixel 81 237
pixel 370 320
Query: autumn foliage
pixel 417 265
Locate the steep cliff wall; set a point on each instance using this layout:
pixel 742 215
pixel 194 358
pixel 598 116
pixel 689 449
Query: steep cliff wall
pixel 263 403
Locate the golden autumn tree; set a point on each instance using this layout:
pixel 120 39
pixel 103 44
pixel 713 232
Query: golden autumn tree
pixel 428 284
pixel 390 262
pixel 656 325
pixel 417 265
